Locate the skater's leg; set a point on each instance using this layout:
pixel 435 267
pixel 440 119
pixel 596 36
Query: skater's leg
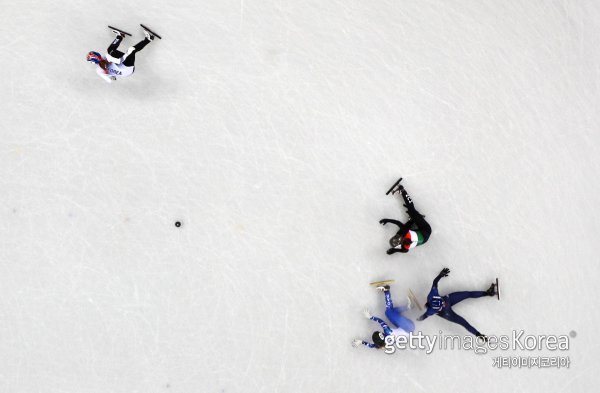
pixel 112 48
pixel 424 227
pixel 410 208
pixel 141 45
pixel 419 223
pixel 395 222
pixel 457 297
pixel 451 316
pixel 388 300
pixel 407 199
pixel 401 309
pixel 416 217
pixel 130 57
pixel 395 316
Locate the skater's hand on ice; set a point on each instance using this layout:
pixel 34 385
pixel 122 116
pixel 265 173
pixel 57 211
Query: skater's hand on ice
pixel 356 342
pixel 367 313
pixel 445 271
pixel 383 221
pixel 421 318
pixel 390 251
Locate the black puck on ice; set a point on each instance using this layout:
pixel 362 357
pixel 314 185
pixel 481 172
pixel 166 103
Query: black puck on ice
pixel 177 224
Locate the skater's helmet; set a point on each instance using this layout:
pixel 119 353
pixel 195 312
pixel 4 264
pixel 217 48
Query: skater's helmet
pixel 396 241
pixel 402 242
pixel 436 303
pixel 94 57
pixel 378 339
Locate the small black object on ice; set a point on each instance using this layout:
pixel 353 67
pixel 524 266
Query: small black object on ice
pixel 177 224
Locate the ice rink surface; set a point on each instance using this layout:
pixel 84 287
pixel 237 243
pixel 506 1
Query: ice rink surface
pixel 272 130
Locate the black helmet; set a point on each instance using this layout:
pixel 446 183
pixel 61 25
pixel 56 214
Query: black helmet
pixel 378 339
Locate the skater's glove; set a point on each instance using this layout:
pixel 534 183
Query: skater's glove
pixel 383 221
pixel 444 273
pixel 391 251
pixel 356 342
pixel 421 318
pixel 367 313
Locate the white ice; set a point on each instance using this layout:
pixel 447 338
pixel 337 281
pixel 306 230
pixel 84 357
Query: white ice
pixel 272 130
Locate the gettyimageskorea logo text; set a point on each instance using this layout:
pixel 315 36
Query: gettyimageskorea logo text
pixel 518 341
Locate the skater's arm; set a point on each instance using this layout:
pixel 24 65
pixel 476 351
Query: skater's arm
pixel 429 311
pixel 107 78
pixel 384 221
pixel 381 322
pixel 104 75
pixel 433 293
pixel 370 345
pixel 444 273
pixel 358 341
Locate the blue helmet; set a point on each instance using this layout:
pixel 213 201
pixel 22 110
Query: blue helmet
pixel 94 57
